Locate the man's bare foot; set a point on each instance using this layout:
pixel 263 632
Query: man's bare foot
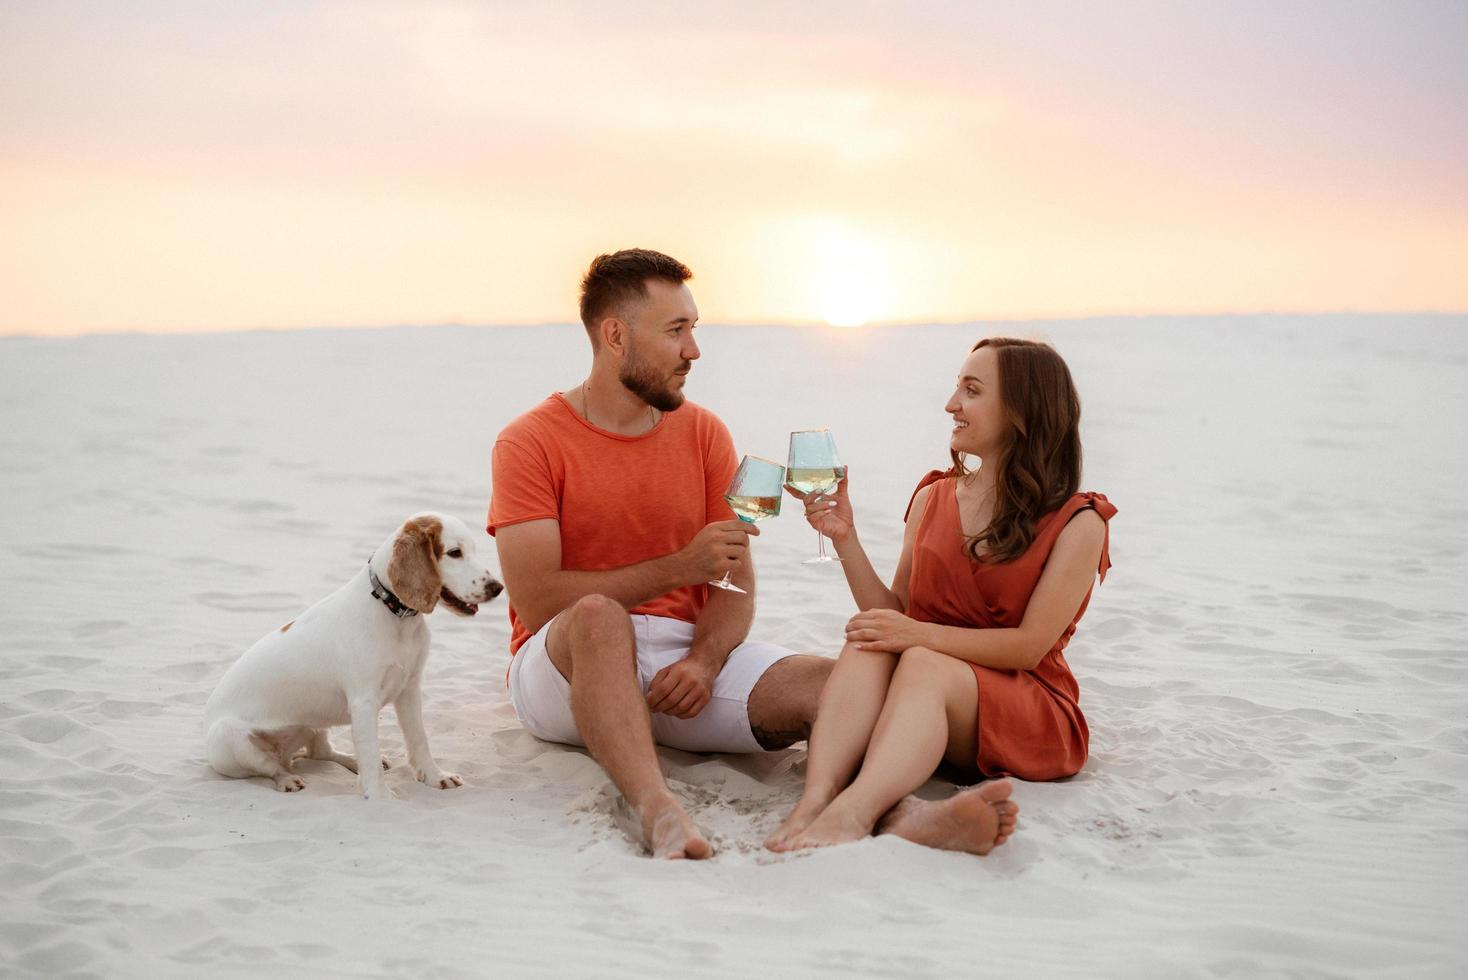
pixel 670 834
pixel 837 824
pixel 976 820
pixel 800 818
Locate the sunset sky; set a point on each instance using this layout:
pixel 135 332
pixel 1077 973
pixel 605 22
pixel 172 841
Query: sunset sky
pixel 209 165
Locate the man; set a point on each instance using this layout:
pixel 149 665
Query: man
pixel 609 517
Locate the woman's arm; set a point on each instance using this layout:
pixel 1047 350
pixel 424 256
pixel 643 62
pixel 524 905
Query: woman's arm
pixel 1062 588
pixel 833 517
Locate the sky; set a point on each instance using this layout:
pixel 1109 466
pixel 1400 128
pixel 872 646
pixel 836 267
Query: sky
pixel 197 166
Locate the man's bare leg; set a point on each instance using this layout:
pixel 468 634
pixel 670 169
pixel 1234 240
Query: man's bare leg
pixel 849 707
pixel 593 647
pixel 976 820
pixel 784 701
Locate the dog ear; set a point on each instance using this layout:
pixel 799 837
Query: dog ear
pixel 413 567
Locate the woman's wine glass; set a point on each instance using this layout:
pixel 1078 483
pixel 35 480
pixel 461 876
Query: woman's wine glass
pixel 814 467
pixel 754 495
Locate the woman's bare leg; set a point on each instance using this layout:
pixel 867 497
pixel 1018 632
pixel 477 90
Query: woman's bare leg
pixel 850 705
pixel 931 712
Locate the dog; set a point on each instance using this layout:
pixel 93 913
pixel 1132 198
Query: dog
pixel 340 661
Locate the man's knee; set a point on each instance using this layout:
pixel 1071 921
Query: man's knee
pixel 592 625
pixel 782 706
pixel 817 669
pixel 595 606
pixel 800 676
pixel 594 613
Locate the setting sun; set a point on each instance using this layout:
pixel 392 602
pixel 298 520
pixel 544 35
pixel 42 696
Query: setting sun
pixel 847 288
pixel 851 273
pixel 845 308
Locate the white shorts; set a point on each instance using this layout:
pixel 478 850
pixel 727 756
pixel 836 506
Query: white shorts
pixel 542 697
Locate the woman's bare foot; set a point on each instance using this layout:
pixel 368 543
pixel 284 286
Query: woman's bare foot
pixel 837 824
pixel 805 812
pixel 670 834
pixel 976 820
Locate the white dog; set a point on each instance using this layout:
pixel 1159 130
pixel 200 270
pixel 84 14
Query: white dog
pixel 344 658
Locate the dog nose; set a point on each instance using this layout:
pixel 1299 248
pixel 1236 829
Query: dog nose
pixel 495 588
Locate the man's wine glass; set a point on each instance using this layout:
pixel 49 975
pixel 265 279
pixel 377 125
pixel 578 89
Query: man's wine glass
pixel 814 467
pixel 754 495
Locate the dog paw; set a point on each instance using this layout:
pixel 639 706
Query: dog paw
pixel 289 783
pixel 443 780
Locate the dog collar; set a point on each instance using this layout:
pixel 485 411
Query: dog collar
pixel 384 595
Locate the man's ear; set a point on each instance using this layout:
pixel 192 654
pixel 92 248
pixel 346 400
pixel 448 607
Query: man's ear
pixel 614 331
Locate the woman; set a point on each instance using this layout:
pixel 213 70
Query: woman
pixel 961 659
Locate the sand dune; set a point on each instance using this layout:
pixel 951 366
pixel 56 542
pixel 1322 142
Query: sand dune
pixel 1275 671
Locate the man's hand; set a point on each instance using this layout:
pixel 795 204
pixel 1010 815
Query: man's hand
pixel 682 689
pixel 716 549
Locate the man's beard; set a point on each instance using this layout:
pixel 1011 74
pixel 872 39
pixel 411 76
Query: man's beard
pixel 639 378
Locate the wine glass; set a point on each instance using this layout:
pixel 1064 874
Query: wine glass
pixel 754 494
pixel 814 468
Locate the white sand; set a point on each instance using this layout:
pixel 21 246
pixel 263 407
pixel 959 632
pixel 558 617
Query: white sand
pixel 1274 672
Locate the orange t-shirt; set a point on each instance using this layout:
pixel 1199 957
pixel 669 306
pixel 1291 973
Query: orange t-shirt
pixel 619 499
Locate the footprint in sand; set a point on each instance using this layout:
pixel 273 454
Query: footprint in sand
pixel 44 729
pixel 51 697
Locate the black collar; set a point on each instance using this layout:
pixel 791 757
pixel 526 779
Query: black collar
pixel 384 595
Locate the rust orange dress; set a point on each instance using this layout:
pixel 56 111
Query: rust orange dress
pixel 1030 721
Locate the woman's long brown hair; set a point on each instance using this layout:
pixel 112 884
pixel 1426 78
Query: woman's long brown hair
pixel 1041 467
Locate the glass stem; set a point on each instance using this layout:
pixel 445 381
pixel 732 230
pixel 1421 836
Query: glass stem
pixel 820 545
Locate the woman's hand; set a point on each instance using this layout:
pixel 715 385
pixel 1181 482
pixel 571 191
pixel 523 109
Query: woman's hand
pixel 886 631
pixel 829 514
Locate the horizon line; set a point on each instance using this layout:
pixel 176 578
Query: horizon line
pixel 755 324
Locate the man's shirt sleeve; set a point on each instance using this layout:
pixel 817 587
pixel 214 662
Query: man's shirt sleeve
pixel 523 487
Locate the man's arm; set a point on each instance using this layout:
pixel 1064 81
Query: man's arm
pixel 683 688
pixel 530 562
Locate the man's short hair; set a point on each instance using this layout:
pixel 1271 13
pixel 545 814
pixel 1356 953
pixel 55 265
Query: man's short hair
pixel 615 280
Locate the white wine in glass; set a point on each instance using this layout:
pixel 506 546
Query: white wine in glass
pixel 815 480
pixel 814 467
pixel 754 495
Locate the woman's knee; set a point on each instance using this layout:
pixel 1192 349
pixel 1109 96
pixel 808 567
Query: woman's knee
pixel 922 663
pixel 851 651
